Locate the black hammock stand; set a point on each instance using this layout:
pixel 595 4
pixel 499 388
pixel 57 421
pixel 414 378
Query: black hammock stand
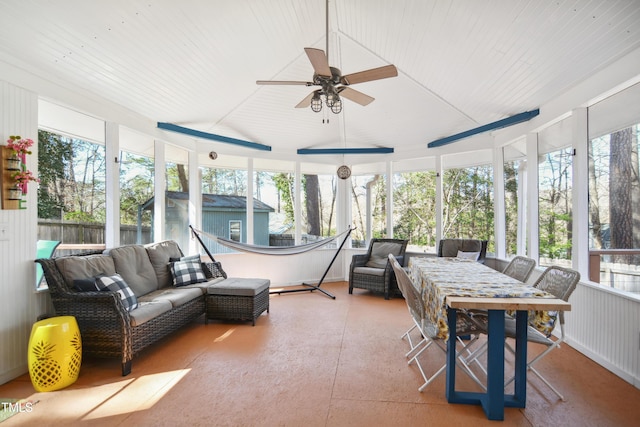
pixel 307 287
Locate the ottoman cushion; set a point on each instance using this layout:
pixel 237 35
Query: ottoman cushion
pixel 239 287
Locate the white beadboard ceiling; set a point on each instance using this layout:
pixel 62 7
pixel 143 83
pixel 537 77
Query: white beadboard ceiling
pixel 194 63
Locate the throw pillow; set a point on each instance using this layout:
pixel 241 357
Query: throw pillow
pixel 195 257
pixel 469 255
pixel 377 262
pixel 117 284
pixel 187 272
pixel 85 285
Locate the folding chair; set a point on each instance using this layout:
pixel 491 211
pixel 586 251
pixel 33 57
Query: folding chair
pixel 520 268
pixel 561 282
pixel 465 326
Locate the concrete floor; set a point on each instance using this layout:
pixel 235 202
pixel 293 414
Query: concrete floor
pixel 311 361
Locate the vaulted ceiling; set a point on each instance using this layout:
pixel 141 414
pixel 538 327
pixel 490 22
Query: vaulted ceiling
pixel 194 63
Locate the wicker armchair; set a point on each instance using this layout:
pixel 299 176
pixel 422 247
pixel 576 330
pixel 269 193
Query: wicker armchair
pixel 450 247
pixel 372 271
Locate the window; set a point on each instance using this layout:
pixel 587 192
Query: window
pixel 514 197
pixel 177 196
pixel 235 230
pixel 71 195
pixel 319 206
pixel 555 215
pixel 468 204
pixel 368 208
pixel 136 194
pixel 414 210
pixel 614 190
pixel 224 202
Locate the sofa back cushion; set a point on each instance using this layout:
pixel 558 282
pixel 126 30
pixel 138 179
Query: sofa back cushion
pixel 160 254
pixel 84 267
pixel 133 264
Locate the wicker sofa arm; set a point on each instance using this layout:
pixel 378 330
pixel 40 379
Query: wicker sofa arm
pixel 67 302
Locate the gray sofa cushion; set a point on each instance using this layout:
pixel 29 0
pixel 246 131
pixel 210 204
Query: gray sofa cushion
pixel 133 264
pixel 203 286
pixel 176 296
pixel 148 310
pixel 85 267
pixel 159 254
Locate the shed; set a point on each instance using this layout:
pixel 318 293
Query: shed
pixel 222 215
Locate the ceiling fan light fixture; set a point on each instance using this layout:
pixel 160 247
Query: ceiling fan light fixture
pixel 331 96
pixel 336 108
pixel 316 103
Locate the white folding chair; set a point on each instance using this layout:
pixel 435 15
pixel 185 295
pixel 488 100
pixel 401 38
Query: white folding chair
pixel 520 268
pixel 465 326
pixel 561 282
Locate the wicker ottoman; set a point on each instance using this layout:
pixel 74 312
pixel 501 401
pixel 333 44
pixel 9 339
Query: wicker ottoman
pixel 238 299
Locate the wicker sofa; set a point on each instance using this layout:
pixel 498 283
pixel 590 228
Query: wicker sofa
pixel 110 325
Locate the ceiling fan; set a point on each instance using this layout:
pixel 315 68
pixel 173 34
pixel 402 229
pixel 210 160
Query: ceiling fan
pixel 333 85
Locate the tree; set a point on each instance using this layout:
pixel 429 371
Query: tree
pixel 136 187
pixel 54 153
pixel 312 193
pixel 511 206
pixel 284 185
pixel 621 174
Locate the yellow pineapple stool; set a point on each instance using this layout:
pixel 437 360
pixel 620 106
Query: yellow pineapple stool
pixel 55 353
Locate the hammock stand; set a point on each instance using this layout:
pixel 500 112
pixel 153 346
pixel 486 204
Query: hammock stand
pixel 308 287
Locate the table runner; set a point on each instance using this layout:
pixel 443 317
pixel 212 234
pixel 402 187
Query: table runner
pixel 439 277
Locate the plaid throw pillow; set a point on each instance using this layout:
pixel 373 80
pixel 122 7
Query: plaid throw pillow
pixel 187 272
pixel 116 283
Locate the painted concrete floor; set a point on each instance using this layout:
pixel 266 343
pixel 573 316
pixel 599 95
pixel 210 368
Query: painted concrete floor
pixel 311 361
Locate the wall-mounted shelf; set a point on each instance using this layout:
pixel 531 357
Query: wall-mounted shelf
pixel 10 199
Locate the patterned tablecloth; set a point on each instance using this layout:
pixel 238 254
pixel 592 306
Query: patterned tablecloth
pixel 439 277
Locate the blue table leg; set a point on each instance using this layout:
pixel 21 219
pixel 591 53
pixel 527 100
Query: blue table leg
pixel 520 386
pixel 493 401
pixel 494 404
pixel 451 356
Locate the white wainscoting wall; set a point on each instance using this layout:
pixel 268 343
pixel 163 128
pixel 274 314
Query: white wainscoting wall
pixel 20 305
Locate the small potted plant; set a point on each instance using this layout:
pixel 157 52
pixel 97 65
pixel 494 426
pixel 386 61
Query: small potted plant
pixel 20 148
pixel 21 178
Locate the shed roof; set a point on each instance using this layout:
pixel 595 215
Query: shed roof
pixel 216 201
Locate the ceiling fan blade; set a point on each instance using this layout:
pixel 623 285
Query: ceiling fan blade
pixel 318 61
pixel 306 101
pixel 369 75
pixel 355 96
pixel 283 82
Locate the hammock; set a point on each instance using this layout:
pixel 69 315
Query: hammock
pixel 271 250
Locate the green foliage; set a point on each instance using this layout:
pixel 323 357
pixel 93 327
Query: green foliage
pixel 136 188
pixel 468 203
pixel 414 206
pixel 284 185
pixel 54 153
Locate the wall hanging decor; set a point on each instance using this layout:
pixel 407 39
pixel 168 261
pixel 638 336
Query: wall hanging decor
pixel 14 175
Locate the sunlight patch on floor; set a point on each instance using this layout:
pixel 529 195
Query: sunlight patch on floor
pixel 137 395
pixel 225 335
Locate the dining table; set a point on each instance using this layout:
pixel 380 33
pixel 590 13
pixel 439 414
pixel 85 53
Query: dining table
pixel 448 284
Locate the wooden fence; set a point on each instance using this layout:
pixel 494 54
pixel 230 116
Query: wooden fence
pixel 88 233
